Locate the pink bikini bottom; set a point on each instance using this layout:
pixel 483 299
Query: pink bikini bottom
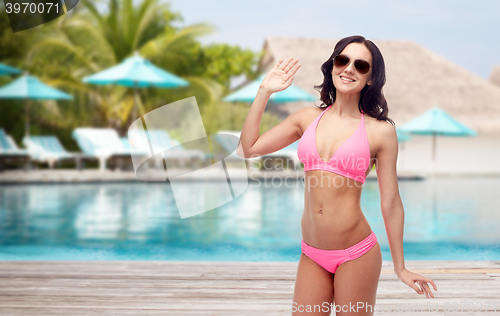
pixel 330 260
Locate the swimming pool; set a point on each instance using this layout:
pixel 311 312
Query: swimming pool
pixel 450 219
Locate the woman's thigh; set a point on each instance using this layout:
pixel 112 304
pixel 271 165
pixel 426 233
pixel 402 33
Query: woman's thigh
pixel 313 292
pixel 356 283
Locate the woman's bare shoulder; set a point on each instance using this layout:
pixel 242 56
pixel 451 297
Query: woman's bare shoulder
pixel 383 127
pixel 378 126
pixel 305 116
pixel 380 131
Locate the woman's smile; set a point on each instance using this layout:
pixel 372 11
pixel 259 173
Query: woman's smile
pixel 346 79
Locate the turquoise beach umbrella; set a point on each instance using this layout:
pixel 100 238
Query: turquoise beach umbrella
pixel 136 72
pixel 8 70
pixel 436 122
pixel 248 93
pixel 28 87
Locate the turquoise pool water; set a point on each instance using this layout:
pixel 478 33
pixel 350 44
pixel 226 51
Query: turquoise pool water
pixel 449 219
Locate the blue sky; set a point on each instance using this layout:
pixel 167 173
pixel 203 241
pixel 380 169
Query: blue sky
pixel 465 32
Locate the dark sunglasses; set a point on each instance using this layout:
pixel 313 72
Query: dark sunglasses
pixel 343 60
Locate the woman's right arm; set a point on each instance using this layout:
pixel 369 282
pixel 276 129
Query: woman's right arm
pixel 285 133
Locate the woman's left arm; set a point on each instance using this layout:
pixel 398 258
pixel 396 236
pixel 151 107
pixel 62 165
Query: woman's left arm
pixel 392 208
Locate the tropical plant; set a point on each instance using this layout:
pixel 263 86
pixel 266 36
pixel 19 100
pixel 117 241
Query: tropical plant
pixel 99 34
pixel 90 40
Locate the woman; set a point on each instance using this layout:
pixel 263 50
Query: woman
pixel 341 259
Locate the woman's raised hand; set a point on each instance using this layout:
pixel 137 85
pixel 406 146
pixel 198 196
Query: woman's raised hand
pixel 280 76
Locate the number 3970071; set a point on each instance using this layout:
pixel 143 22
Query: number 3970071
pixel 31 7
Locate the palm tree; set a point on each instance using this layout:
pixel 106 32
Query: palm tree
pixel 87 41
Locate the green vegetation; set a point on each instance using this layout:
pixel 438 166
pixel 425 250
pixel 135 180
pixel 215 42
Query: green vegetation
pixel 86 40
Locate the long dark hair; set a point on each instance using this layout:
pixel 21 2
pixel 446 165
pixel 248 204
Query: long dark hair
pixel 372 100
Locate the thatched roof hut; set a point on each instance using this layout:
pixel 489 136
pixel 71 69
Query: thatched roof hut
pixel 495 76
pixel 417 79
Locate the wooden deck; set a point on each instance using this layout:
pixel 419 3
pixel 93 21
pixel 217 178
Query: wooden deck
pixel 221 288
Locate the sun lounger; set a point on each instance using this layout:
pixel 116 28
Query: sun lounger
pixel 9 152
pixel 180 151
pixel 48 149
pixel 161 141
pixel 104 144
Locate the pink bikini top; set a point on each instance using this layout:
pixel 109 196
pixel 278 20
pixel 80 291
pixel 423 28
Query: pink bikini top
pixel 351 159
